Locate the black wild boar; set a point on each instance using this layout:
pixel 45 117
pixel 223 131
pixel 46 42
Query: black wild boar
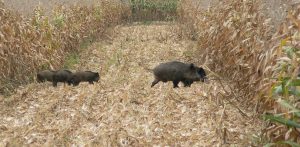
pixel 178 72
pixel 46 75
pixel 85 76
pixel 64 76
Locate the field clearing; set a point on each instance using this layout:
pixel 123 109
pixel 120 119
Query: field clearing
pixel 235 41
pixel 122 109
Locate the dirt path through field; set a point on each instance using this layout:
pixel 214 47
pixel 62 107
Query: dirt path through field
pixel 122 109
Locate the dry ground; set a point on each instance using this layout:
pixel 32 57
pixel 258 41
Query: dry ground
pixel 122 109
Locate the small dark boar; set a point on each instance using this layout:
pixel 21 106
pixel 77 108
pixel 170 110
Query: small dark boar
pixel 46 75
pixel 85 76
pixel 178 72
pixel 64 76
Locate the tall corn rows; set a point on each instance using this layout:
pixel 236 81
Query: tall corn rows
pixel 237 41
pixel 150 10
pixel 32 44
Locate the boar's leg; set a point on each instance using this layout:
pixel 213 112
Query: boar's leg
pixel 91 82
pixel 69 83
pixel 175 84
pixel 54 83
pixel 76 83
pixel 186 84
pixel 154 82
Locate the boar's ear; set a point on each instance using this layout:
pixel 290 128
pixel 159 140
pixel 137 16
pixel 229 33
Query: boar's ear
pixel 192 66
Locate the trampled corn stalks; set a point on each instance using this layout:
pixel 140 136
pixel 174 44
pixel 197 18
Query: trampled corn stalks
pixel 31 44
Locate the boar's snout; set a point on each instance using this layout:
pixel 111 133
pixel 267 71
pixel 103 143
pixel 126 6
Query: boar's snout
pixel 97 77
pixel 202 74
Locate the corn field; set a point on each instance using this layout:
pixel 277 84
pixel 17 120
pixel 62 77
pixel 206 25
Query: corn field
pixel 236 41
pixel 39 42
pixel 249 50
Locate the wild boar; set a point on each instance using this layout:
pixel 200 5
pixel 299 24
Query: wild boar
pixel 64 76
pixel 176 72
pixel 46 75
pixel 85 76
